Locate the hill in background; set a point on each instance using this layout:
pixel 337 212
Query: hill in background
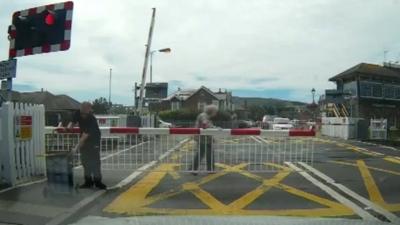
pixel 272 102
pixel 258 107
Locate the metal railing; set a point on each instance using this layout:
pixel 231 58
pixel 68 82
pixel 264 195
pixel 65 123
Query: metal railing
pixel 252 149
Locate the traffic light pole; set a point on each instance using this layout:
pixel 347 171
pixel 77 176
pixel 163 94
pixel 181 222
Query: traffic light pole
pixel 146 59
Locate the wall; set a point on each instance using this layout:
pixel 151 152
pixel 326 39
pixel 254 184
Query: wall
pixel 340 127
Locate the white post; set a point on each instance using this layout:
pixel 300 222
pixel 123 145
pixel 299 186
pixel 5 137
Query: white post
pixel 8 143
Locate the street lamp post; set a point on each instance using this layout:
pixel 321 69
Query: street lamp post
pixel 313 95
pixel 165 50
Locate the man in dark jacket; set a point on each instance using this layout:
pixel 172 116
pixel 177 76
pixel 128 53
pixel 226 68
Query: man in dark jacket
pixel 89 145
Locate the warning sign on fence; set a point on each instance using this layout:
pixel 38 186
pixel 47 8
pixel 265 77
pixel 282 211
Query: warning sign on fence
pixel 23 127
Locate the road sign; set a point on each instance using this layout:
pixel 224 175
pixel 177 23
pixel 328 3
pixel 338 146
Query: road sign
pixel 8 69
pixel 40 30
pixel 23 127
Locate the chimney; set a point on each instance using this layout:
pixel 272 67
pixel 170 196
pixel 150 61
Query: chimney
pixel 219 91
pixel 41 90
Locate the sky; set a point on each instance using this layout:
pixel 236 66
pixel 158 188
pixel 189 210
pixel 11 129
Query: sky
pixel 257 48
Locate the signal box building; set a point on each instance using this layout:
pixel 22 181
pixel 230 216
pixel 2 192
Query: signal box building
pixel 367 91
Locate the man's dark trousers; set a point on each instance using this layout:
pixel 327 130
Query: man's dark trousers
pixel 90 158
pixel 204 147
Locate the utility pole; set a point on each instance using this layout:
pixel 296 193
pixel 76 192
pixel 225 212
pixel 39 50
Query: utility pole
pixel 109 91
pixel 146 59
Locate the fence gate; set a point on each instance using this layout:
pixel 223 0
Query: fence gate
pixel 22 141
pixel 378 129
pixel 124 148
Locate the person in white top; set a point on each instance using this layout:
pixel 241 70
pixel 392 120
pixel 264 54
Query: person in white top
pixel 204 142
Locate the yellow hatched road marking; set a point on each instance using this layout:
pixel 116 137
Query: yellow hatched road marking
pixel 369 167
pixel 392 159
pixel 135 201
pixel 205 197
pixel 373 191
pixel 251 196
pixel 138 192
pixel 369 182
pixel 323 201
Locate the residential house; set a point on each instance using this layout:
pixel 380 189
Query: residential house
pixel 196 100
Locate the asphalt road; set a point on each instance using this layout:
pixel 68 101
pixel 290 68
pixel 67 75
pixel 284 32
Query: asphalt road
pixel 256 177
pixel 342 182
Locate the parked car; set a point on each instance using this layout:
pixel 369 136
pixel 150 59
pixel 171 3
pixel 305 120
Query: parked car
pixel 163 124
pixel 282 124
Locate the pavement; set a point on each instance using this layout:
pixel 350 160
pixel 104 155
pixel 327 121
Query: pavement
pixel 345 182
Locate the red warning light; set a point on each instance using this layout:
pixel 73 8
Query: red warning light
pixel 50 19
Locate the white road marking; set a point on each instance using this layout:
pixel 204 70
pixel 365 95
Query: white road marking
pixel 255 139
pixel 358 210
pixel 86 201
pixel 392 217
pixel 113 154
pixel 123 150
pixel 23 185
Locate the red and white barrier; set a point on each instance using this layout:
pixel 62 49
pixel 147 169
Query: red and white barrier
pixel 198 131
pixel 130 148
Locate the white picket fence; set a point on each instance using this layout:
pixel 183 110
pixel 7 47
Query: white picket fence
pixel 21 160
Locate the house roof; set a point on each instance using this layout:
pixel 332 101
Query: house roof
pixel 205 89
pixel 369 69
pixel 51 102
pixel 182 95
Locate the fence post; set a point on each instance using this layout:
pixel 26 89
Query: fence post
pixel 8 143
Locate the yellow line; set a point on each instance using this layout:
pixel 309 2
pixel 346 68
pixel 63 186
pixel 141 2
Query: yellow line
pixel 279 166
pixel 392 159
pixel 150 200
pixel 138 192
pixel 391 207
pixel 373 191
pixel 369 167
pixel 249 197
pixel 208 199
pixel 323 201
pixel 174 175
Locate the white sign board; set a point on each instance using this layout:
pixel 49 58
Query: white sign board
pixel 8 69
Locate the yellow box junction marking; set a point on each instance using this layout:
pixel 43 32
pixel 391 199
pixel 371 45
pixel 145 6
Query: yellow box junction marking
pixel 135 201
pixel 370 184
pixel 373 190
pixel 392 159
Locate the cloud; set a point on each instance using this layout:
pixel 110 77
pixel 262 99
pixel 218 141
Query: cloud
pixel 239 45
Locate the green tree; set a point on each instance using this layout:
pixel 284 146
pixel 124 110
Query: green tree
pixel 101 106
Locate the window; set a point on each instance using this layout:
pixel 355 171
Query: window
pixel 175 105
pixel 397 93
pixel 389 92
pixel 350 87
pixel 377 90
pixel 215 102
pixel 365 89
pixel 201 106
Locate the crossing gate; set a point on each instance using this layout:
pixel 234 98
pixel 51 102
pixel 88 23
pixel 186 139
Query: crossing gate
pixel 124 148
pixel 21 141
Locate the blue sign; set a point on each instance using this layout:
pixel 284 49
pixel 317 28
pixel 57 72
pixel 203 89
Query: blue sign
pixel 8 69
